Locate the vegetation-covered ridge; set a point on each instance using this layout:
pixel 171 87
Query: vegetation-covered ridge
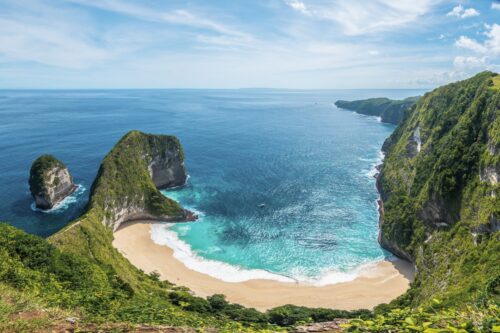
pixel 440 193
pixel 389 110
pixel 126 186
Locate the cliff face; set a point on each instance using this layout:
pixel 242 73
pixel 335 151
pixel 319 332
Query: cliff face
pixel 126 187
pixel 439 189
pixel 389 110
pixel 50 181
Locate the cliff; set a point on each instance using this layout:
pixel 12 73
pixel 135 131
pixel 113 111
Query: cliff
pixel 439 191
pixel 126 187
pixel 50 181
pixel 389 110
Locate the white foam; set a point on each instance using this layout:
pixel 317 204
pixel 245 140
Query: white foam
pixel 373 170
pixel 63 204
pixel 161 234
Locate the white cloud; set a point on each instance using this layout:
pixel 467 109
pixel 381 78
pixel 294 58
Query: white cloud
pixel 495 5
pixel 373 52
pixel 461 12
pixel 30 33
pixel 490 46
pixel 471 44
pixel 466 63
pixel 178 17
pixel 357 18
pixel 493 42
pixel 298 6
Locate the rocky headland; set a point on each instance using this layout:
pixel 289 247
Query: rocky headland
pixel 389 110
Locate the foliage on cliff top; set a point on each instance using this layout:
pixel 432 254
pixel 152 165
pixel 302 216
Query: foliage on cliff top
pixel 96 292
pixel 436 207
pixel 124 179
pixel 38 172
pixel 391 111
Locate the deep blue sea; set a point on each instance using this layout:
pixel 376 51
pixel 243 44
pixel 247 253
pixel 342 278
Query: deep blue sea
pixel 282 179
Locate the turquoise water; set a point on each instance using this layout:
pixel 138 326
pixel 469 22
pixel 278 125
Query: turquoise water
pixel 309 164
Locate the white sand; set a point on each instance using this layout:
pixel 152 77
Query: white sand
pixel 382 283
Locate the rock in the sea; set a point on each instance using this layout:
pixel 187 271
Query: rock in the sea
pixel 50 181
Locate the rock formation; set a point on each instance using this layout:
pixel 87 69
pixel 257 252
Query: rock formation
pixel 50 181
pixel 130 176
pixel 438 185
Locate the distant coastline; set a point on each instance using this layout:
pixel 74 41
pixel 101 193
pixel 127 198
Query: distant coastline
pixel 381 283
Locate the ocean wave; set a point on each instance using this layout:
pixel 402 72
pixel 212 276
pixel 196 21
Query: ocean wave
pixel 372 173
pixel 63 204
pixel 161 234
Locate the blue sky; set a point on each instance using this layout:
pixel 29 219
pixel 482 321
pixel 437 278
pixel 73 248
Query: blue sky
pixel 326 44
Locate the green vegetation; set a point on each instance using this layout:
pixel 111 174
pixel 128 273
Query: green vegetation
pixel 438 211
pixel 389 110
pixel 124 181
pixel 39 170
pixel 431 320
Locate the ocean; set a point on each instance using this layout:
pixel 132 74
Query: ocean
pixel 282 179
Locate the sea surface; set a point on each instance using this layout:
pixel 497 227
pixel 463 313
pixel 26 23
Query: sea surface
pixel 282 179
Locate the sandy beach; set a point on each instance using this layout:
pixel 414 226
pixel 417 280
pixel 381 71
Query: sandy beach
pixel 383 282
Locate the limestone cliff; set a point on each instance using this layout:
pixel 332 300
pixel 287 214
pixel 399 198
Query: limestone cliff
pixel 129 177
pixel 439 190
pixel 50 181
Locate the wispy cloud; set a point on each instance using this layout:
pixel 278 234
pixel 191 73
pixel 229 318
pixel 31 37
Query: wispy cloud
pixel 357 18
pixel 178 17
pixel 490 46
pixel 495 5
pixel 461 12
pixel 298 6
pixel 29 32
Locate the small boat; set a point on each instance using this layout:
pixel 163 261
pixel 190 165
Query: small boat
pixel 262 205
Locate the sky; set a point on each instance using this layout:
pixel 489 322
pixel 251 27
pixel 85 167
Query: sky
pixel 294 44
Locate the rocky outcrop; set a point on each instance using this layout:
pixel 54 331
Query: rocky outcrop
pixel 490 174
pixel 387 242
pixel 50 182
pixel 130 176
pixel 437 213
pixel 389 110
pixel 414 143
pixel 325 327
pixel 167 169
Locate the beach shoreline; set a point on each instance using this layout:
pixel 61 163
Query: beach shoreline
pixel 382 283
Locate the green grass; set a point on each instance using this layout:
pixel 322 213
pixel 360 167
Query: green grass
pixel 496 82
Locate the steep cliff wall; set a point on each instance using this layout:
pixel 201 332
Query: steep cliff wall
pixel 440 195
pixel 126 187
pixel 50 181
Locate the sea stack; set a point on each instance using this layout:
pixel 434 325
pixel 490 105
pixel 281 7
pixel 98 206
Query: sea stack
pixel 50 181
